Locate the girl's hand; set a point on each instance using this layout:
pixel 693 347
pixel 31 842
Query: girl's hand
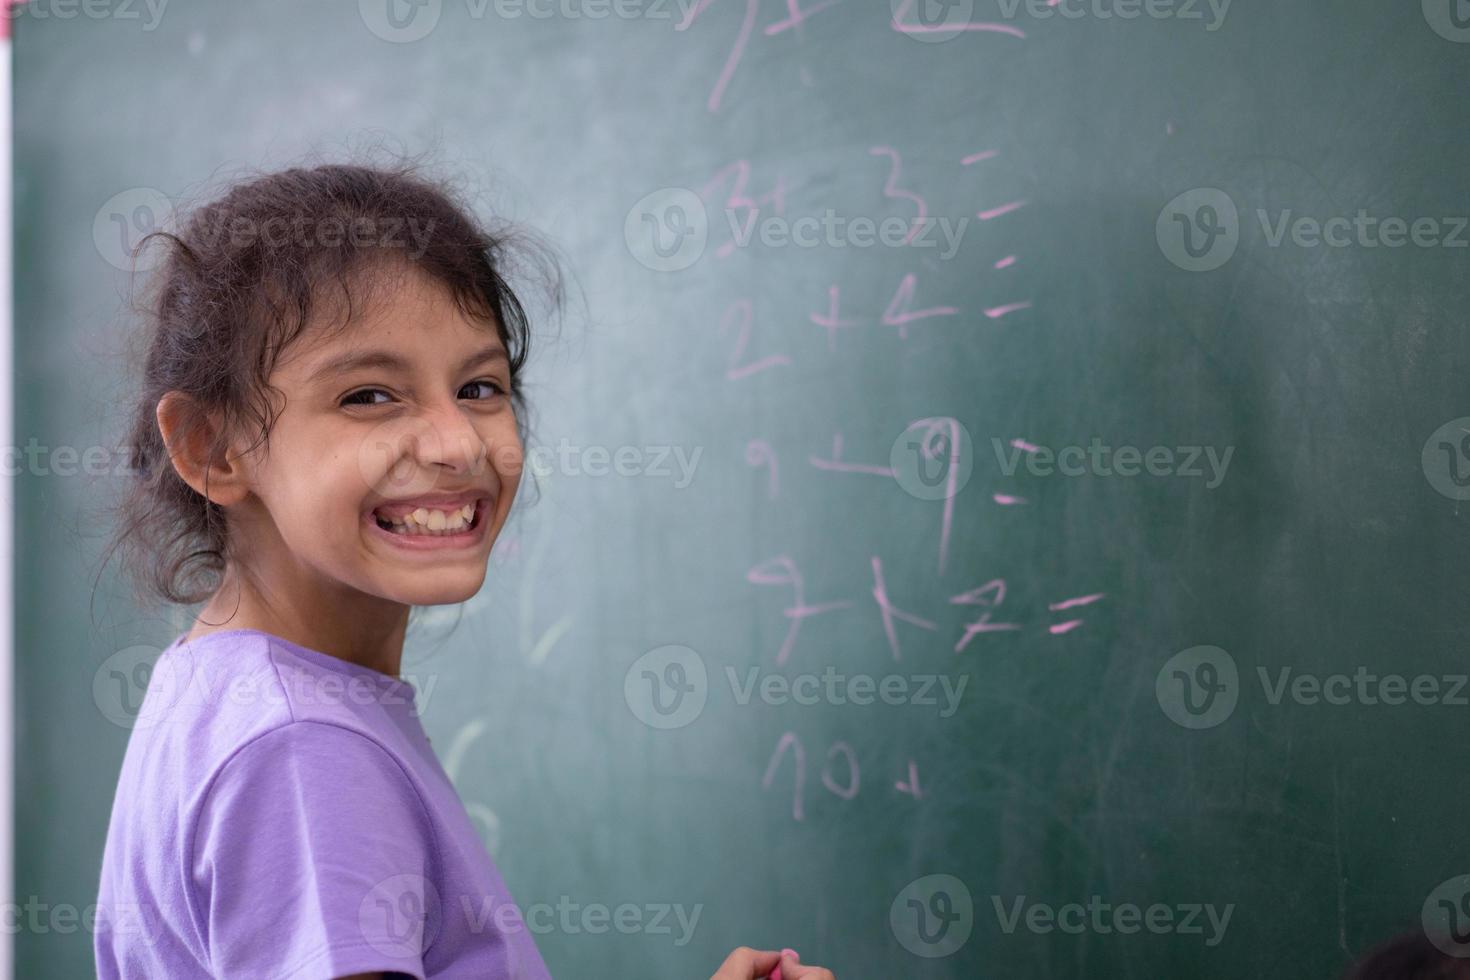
pixel 754 964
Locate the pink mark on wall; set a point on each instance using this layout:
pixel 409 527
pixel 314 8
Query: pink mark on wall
pixel 732 60
pixel 901 24
pixel 942 433
pixel 738 176
pixel 1003 209
pixel 996 312
pixel 1006 500
pixel 781 570
pixel 890 612
pixel 831 321
pixel 796 16
pixel 891 189
pixel 989 595
pixel 1085 600
pixel 912 786
pixel 854 778
pixel 898 313
pixel 1006 262
pixel 836 465
pixel 789 739
pixel 741 313
pixel 975 158
pixel 1067 627
pixel 759 453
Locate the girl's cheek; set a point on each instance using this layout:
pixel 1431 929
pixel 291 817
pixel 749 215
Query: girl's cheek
pixel 508 458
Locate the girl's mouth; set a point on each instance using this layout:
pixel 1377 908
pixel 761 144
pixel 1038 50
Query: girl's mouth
pixel 435 528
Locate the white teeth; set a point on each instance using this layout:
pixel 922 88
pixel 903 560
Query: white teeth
pixel 433 522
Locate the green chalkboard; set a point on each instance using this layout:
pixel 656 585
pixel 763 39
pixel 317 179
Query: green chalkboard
pixel 1092 488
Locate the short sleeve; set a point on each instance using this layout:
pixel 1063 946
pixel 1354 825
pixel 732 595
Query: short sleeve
pixel 312 859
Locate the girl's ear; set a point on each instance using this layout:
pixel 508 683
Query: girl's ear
pixel 189 433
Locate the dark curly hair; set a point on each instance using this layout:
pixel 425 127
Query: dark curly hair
pixel 240 279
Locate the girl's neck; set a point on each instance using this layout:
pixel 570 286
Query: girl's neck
pixel 370 637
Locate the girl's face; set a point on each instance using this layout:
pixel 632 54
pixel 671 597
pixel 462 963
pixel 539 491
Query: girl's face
pixel 395 459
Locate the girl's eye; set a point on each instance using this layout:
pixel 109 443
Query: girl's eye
pixel 489 389
pixel 363 397
pixel 495 388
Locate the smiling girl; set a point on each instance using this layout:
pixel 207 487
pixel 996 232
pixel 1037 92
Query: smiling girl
pixel 329 432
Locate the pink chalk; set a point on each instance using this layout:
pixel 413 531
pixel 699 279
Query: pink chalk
pixel 776 974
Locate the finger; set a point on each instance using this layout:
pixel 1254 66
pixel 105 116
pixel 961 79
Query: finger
pixel 745 963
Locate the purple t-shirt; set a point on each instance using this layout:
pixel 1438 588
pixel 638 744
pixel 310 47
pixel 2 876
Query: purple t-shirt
pixel 281 815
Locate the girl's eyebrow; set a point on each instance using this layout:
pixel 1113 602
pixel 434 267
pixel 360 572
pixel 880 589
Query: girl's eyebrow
pixel 393 361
